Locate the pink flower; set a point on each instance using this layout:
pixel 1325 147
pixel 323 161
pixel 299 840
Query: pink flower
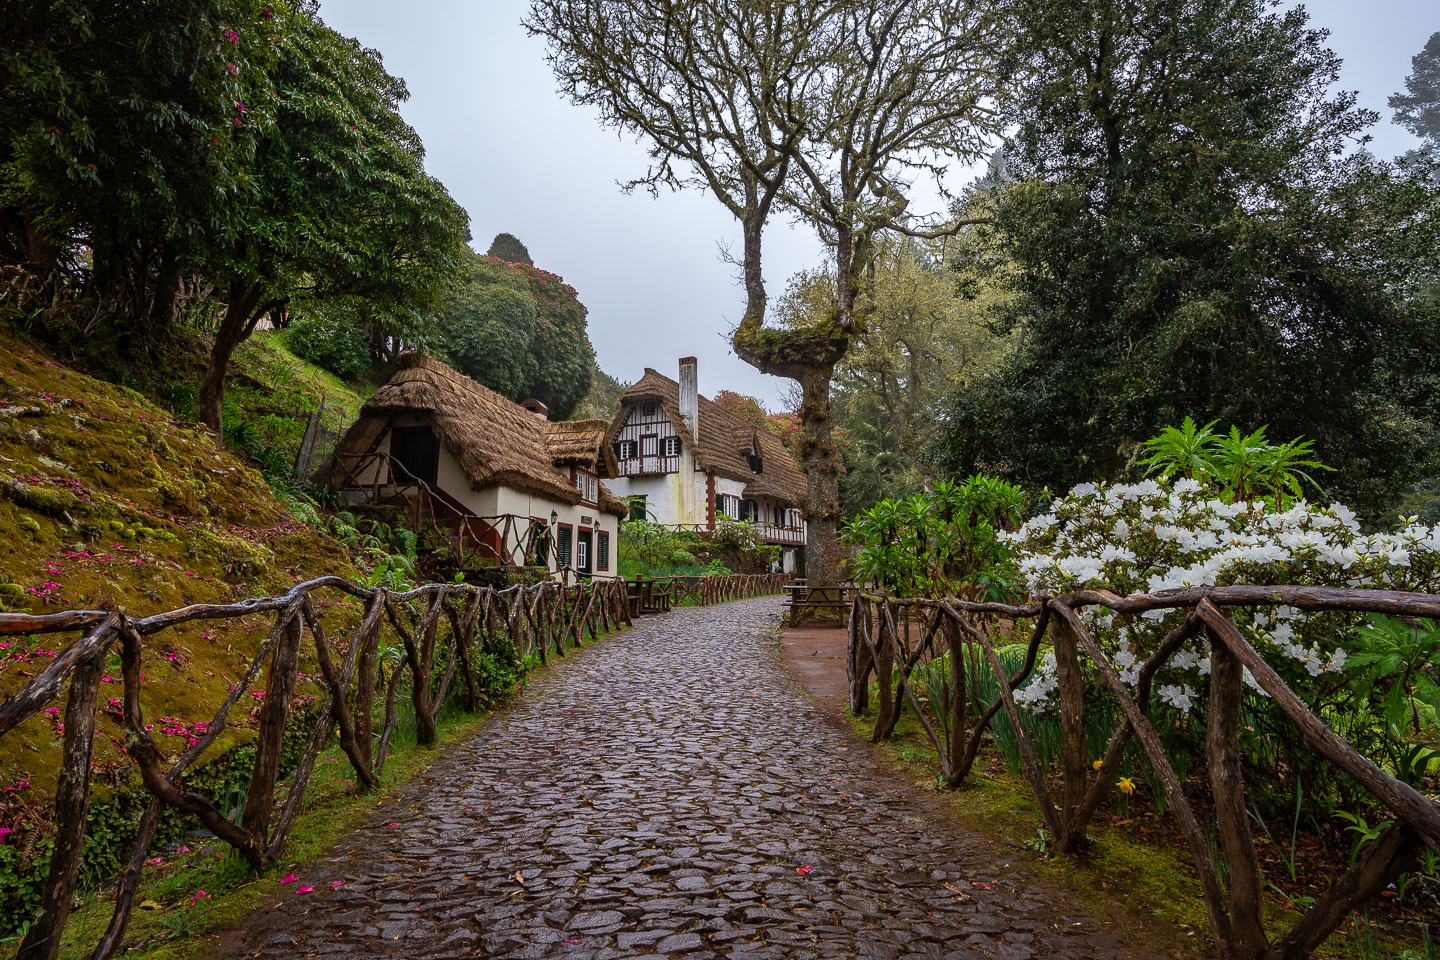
pixel 232 69
pixel 803 869
pixel 232 36
pixel 289 878
pixel 5 832
pixel 185 849
pixel 196 898
pixel 154 861
pixel 335 884
pixel 304 889
pixel 238 123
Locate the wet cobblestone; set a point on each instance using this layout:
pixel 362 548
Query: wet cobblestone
pixel 669 793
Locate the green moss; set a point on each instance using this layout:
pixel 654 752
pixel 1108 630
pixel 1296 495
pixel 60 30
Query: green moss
pixel 54 501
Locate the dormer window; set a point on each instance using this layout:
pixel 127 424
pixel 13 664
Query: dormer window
pixel 757 465
pixel 587 486
pixel 670 447
pixel 648 408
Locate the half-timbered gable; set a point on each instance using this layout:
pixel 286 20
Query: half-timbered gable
pixel 689 463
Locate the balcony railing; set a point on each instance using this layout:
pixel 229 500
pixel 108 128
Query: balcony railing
pixel 777 533
pixel 646 466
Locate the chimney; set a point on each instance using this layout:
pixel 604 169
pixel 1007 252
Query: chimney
pixel 690 396
pixel 537 408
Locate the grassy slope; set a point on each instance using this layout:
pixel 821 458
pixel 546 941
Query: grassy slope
pixel 106 499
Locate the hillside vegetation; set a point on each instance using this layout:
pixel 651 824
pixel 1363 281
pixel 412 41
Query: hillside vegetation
pixel 108 500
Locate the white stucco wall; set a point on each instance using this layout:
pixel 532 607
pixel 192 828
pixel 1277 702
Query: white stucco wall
pixel 665 496
pixel 499 501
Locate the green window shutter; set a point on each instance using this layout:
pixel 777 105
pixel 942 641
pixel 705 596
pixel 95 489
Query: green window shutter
pixel 562 551
pixel 602 552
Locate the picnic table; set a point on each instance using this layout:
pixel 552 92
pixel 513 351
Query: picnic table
pixel 819 602
pixel 649 596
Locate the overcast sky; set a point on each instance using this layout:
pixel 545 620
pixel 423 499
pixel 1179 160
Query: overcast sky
pixel 522 160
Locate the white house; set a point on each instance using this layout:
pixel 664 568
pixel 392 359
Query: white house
pixel 513 487
pixel 687 463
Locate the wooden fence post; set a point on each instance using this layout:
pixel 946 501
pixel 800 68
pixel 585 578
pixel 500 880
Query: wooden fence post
pixel 72 801
pixel 1222 741
pixel 270 738
pixel 1074 767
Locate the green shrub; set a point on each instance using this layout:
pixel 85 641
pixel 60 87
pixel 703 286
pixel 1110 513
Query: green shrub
pixel 336 344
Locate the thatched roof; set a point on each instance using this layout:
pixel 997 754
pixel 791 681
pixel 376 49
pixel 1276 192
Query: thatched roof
pixel 725 439
pixel 496 442
pixel 575 441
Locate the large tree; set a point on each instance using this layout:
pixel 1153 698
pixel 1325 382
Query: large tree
pixel 1189 232
pixel 1418 108
pixel 340 203
pixel 825 108
pixel 926 335
pixel 520 331
pixel 126 139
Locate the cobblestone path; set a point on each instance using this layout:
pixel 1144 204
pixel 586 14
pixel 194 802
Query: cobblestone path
pixel 669 792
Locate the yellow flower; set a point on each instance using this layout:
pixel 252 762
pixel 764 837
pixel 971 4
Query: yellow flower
pixel 1097 764
pixel 1126 785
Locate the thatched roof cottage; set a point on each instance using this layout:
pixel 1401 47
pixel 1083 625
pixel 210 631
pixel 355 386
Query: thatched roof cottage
pixel 514 487
pixel 687 462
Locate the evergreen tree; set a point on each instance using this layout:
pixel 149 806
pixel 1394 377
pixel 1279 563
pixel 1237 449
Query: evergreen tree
pixel 521 332
pixel 1418 108
pixel 1188 232
pixel 507 247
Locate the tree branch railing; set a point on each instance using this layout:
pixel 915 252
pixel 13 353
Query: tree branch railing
pixel 441 629
pixel 705 590
pixel 889 638
pixel 437 634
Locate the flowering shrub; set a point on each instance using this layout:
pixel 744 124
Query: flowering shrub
pixel 1154 536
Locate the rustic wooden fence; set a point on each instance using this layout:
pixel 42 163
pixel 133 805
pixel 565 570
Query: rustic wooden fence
pixel 439 623
pixel 888 638
pixel 720 589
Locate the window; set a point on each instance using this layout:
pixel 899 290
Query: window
pixel 602 551
pixel 749 510
pixel 647 409
pixel 757 465
pixel 647 445
pixel 627 449
pixel 671 447
pixel 416 452
pixel 562 546
pixel 587 486
pixel 638 510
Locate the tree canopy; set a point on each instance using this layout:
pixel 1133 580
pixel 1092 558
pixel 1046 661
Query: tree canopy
pixel 1418 108
pixel 508 247
pixel 520 331
pixel 342 206
pixel 1187 233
